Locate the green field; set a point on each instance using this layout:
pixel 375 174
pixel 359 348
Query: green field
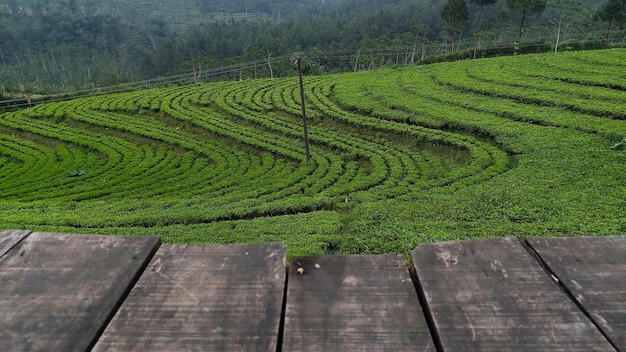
pixel 513 146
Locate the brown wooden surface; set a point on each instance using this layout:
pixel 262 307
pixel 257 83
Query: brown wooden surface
pixel 491 295
pixel 211 298
pixel 10 238
pixel 58 291
pixel 594 271
pixel 353 303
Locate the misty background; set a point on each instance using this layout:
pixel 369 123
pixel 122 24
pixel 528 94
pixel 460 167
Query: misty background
pixel 52 46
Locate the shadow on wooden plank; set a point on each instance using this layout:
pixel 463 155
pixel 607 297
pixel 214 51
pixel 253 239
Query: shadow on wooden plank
pixel 353 303
pixel 593 270
pixel 10 238
pixel 491 295
pixel 212 298
pixel 57 292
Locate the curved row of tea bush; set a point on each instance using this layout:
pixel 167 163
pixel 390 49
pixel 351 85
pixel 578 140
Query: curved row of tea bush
pixel 518 145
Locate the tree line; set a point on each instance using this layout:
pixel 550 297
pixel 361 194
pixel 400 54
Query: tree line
pixel 49 46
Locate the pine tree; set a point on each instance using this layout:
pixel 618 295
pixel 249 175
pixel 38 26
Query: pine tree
pixel 480 4
pixel 613 12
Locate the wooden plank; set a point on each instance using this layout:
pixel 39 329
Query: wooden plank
pixel 491 295
pixel 57 292
pixel 353 303
pixel 9 238
pixel 212 298
pixel 594 271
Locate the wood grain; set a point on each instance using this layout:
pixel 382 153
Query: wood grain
pixel 353 303
pixel 57 292
pixel 9 238
pixel 491 295
pixel 594 271
pixel 211 298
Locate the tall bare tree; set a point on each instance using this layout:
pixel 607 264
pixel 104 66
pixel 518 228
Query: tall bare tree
pixel 564 11
pixel 454 16
pixel 526 8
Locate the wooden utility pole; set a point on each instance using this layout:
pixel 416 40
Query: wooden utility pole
pixel 304 121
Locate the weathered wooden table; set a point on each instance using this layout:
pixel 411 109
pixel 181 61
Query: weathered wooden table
pixel 61 292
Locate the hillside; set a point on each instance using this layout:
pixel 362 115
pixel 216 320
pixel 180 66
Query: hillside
pixel 63 46
pixel 514 146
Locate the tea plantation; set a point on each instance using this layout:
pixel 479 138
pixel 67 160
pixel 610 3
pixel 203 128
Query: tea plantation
pixel 513 146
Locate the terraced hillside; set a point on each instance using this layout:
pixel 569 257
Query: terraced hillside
pixel 524 145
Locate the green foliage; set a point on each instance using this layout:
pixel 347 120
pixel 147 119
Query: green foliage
pixel 454 15
pixel 612 12
pixel 50 46
pixel 484 2
pixel 526 8
pixel 515 146
pixel 481 4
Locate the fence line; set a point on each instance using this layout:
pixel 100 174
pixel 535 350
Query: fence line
pixel 426 51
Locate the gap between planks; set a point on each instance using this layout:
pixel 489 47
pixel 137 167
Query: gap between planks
pixel 125 294
pixel 428 315
pixel 559 282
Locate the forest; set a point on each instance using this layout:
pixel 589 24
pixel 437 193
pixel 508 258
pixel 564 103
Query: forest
pixel 54 46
